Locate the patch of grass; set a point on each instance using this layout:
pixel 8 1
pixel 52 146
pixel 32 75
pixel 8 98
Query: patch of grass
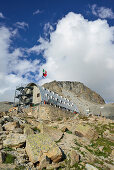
pixel 98 161
pixel 85 118
pixel 102 128
pixel 55 127
pixel 8 149
pixel 61 167
pixel 101 142
pixel 68 131
pixel 78 144
pixel 59 119
pixel 9 158
pixel 77 166
pixel 21 167
pixel 111 126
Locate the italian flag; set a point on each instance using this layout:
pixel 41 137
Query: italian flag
pixel 44 73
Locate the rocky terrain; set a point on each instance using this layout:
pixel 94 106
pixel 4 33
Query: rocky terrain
pixel 67 143
pixel 48 139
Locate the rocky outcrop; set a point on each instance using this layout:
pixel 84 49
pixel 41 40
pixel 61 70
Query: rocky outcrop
pixel 77 88
pixel 38 145
pixel 28 130
pixel 54 133
pixel 76 142
pixel 85 130
pixel 14 140
pixel 78 93
pixel 74 157
pixel 10 126
pixel 90 167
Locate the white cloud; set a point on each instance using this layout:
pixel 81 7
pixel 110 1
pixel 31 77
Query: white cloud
pixel 48 28
pixel 21 25
pixel 102 12
pixel 37 12
pixel 80 50
pixel 14 70
pixel 1 15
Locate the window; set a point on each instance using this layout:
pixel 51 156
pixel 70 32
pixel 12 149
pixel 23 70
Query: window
pixel 38 95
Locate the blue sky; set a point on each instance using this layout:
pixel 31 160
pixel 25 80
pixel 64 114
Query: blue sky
pixel 65 37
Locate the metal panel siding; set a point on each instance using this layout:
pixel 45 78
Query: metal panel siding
pixel 51 97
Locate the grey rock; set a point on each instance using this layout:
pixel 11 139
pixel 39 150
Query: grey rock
pixel 14 140
pixel 90 167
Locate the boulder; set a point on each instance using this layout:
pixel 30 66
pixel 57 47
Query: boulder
pixel 10 126
pixel 90 167
pixel 8 119
pixel 85 130
pixel 38 145
pixel 28 131
pixel 56 134
pixel 18 130
pixel 45 161
pixel 14 140
pixel 74 157
pixel 89 157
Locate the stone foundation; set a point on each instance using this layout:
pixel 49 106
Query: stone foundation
pixel 49 112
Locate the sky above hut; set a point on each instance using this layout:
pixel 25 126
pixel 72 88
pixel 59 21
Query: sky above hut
pixel 73 40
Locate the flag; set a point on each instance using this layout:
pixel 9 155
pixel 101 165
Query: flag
pixel 44 73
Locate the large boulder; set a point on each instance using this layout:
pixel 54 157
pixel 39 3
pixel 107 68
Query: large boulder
pixel 38 145
pixel 74 157
pixel 56 134
pixel 10 126
pixel 14 140
pixel 85 130
pixel 90 167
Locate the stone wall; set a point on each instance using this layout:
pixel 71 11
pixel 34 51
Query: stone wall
pixel 49 112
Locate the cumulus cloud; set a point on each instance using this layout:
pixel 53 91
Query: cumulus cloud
pixel 80 50
pixel 48 28
pixel 1 15
pixel 21 25
pixel 102 12
pixel 37 12
pixel 15 69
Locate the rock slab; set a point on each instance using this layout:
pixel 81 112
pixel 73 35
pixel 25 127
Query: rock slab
pixel 14 140
pixel 38 145
pixel 10 126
